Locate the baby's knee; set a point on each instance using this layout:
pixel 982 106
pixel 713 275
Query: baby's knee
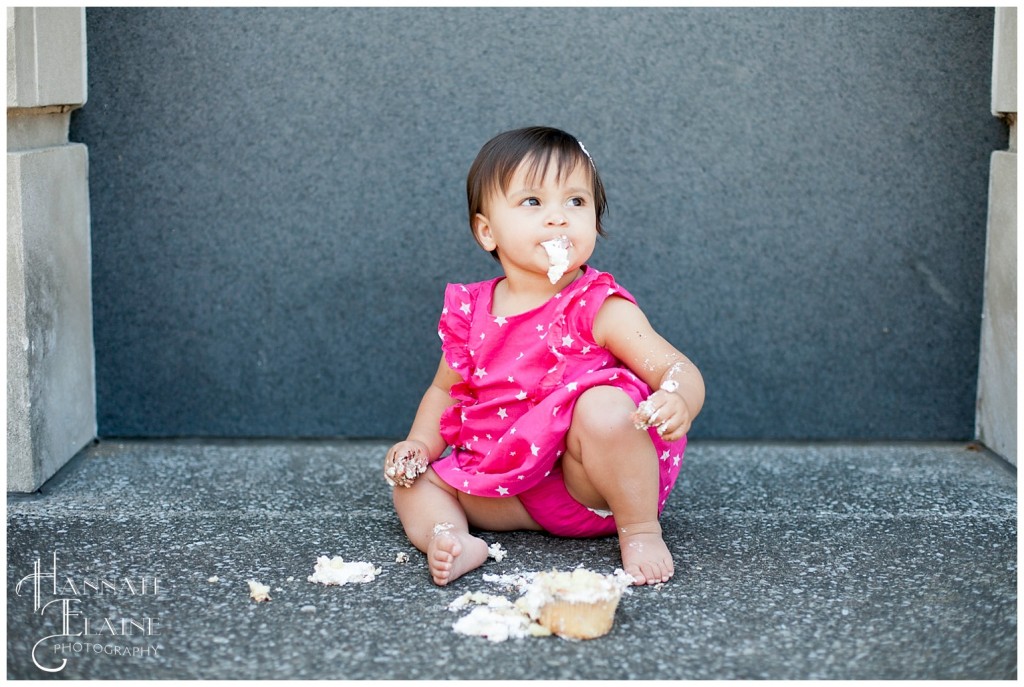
pixel 604 411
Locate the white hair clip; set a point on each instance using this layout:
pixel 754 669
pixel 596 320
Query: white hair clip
pixel 587 153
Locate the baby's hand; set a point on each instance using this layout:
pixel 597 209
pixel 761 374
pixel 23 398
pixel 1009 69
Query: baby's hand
pixel 667 411
pixel 405 461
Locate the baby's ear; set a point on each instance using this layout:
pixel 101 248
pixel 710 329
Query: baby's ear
pixel 482 232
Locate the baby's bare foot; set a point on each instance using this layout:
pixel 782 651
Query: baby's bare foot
pixel 452 554
pixel 645 555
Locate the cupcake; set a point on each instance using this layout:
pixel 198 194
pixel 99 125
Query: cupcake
pixel 575 605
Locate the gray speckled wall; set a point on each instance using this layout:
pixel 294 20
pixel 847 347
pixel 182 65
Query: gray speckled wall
pixel 797 199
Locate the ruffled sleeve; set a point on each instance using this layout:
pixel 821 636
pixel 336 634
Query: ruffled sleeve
pixel 586 302
pixel 454 325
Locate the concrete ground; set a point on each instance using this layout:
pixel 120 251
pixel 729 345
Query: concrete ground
pixel 793 562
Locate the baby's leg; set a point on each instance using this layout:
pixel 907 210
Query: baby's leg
pixel 436 524
pixel 609 464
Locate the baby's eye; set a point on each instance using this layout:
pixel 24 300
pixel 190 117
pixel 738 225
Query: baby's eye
pixel 531 202
pixel 576 201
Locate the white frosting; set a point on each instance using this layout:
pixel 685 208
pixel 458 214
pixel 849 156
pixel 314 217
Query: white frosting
pixel 498 624
pixel 331 571
pixel 511 582
pixel 558 256
pixel 480 599
pixel 258 592
pixel 579 586
pixel 497 618
pixel 406 469
pixel 644 418
pixel 496 552
pixel 644 415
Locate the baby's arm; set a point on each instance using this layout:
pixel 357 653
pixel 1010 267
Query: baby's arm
pixel 623 329
pixel 408 459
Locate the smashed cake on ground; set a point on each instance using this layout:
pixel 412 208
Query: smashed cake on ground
pixel 575 605
pixel 336 571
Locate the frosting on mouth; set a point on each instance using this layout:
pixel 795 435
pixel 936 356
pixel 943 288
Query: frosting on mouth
pixel 558 256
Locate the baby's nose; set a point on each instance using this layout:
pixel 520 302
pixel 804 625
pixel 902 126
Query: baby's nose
pixel 556 218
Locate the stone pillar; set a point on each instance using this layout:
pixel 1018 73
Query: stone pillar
pixel 997 369
pixel 51 388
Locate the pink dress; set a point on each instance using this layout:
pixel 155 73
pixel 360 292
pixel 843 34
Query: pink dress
pixel 521 377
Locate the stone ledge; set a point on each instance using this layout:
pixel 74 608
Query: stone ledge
pixel 46 56
pixel 51 385
pixel 997 368
pixel 1004 61
pixel 44 127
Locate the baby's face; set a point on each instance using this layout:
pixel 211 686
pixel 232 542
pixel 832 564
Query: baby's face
pixel 532 211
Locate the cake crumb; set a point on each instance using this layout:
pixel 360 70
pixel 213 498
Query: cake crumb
pixel 497 552
pixel 644 415
pixel 498 624
pixel 258 592
pixel 213 579
pixel 335 571
pixel 402 557
pixel 480 599
pixel 511 582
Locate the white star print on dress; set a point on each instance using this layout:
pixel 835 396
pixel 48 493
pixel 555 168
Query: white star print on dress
pixel 525 372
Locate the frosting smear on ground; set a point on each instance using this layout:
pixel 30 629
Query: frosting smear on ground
pixel 335 570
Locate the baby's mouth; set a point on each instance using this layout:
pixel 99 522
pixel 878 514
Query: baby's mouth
pixel 558 256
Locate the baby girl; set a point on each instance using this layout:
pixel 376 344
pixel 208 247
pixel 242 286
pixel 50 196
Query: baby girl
pixel 544 387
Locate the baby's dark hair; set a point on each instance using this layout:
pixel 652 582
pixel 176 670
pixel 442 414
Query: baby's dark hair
pixel 499 158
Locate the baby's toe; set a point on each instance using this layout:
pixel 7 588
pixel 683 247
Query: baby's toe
pixel 663 572
pixel 652 573
pixel 637 574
